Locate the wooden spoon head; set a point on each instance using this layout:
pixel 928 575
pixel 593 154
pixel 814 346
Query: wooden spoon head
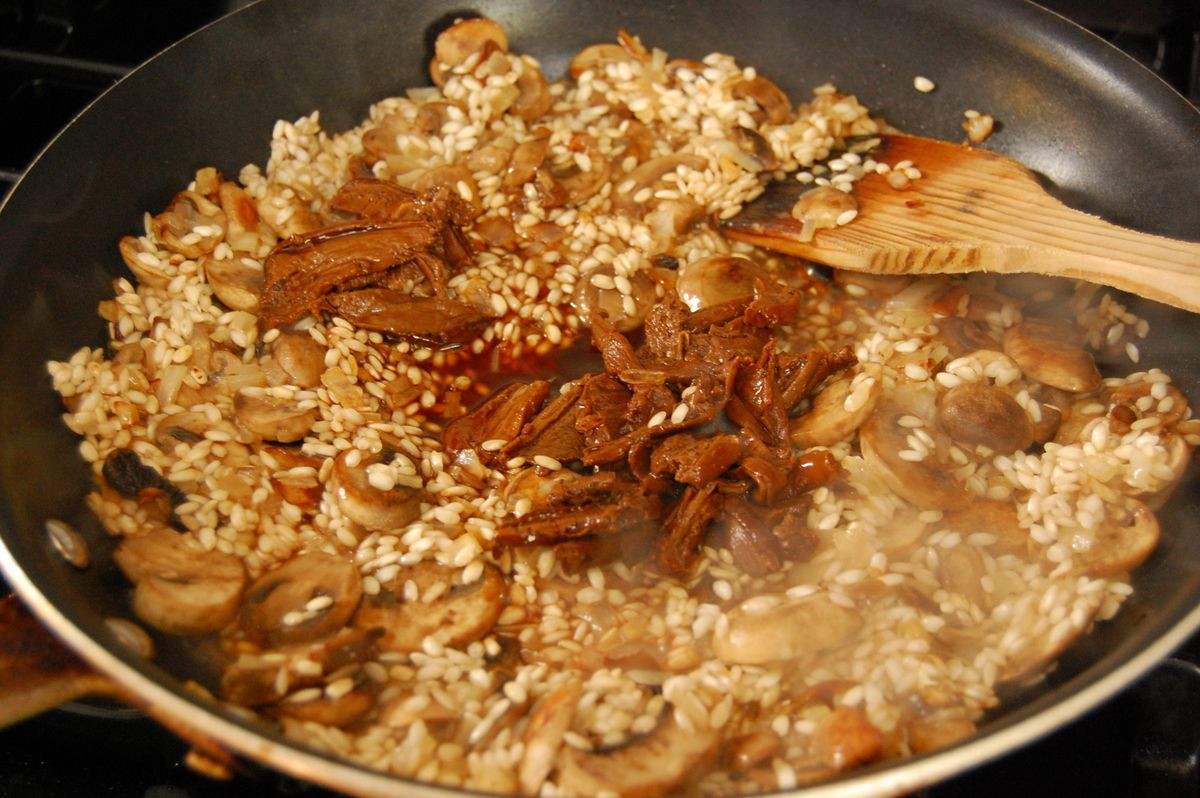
pixel 941 222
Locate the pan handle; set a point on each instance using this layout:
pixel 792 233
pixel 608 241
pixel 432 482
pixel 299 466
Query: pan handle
pixel 39 673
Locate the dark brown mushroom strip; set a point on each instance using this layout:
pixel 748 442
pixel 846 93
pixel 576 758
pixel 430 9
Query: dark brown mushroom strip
pixel 552 431
pixel 303 269
pixel 776 108
pixel 501 417
pixel 432 320
pixel 685 528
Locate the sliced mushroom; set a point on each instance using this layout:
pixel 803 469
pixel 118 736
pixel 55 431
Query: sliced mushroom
pixel 645 175
pixel 463 39
pixel 822 208
pixel 845 738
pixel 980 414
pixel 653 765
pixel 927 482
pixel 1122 542
pixel 1040 650
pixel 962 571
pixel 526 159
pixel 533 98
pixel 192 225
pixel 786 631
pixel 455 177
pixel 327 710
pixel 254 680
pixel 186 427
pixel 1050 352
pixel 900 536
pixel 307 598
pixel 543 738
pixel 595 56
pixel 301 357
pixel 236 283
pixel 995 518
pixel 625 312
pixel 272 418
pixel 717 279
pixel 455 614
pixel 147 270
pixel 776 108
pixel 828 420
pixel 373 504
pixel 180 589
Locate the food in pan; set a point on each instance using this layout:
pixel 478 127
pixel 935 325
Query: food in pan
pixel 475 454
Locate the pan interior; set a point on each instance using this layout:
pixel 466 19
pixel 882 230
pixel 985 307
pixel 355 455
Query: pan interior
pixel 1106 135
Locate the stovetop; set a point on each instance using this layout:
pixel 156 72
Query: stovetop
pixel 58 55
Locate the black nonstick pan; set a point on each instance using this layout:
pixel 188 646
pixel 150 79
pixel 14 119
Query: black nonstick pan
pixel 1107 136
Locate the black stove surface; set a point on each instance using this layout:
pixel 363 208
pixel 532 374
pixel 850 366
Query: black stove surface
pixel 58 55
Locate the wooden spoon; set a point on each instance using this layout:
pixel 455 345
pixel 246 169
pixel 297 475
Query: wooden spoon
pixel 974 210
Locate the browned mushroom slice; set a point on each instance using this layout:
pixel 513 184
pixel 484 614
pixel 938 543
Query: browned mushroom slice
pixel 372 503
pixel 822 208
pixel 533 98
pixel 463 39
pixel 595 56
pixel 758 634
pixel 926 482
pixel 272 418
pixel 653 765
pixel 1051 353
pixel 980 414
pixel 336 712
pixel 306 598
pixel 543 737
pixel 776 108
pixel 995 518
pixel 191 225
pixel 143 264
pixel 716 279
pixel 1042 649
pixel 962 571
pixel 236 283
pixel 180 589
pixel 646 175
pixel 845 738
pixel 525 160
pixel 596 294
pixel 453 613
pixel 301 357
pixel 254 680
pixel 837 410
pixel 900 536
pixel 1122 542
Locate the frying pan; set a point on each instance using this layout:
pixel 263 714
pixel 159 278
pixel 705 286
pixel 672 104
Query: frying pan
pixel 1107 136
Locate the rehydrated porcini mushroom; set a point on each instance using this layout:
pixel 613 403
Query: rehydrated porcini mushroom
pixel 273 418
pixel 757 634
pixel 717 279
pixel 645 175
pixel 373 501
pixel 828 420
pixel 1050 352
pixel 454 613
pixel 846 737
pixel 653 765
pixel 980 414
pixel 307 598
pixel 180 589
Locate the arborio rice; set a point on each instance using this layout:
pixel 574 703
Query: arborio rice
pixel 664 595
